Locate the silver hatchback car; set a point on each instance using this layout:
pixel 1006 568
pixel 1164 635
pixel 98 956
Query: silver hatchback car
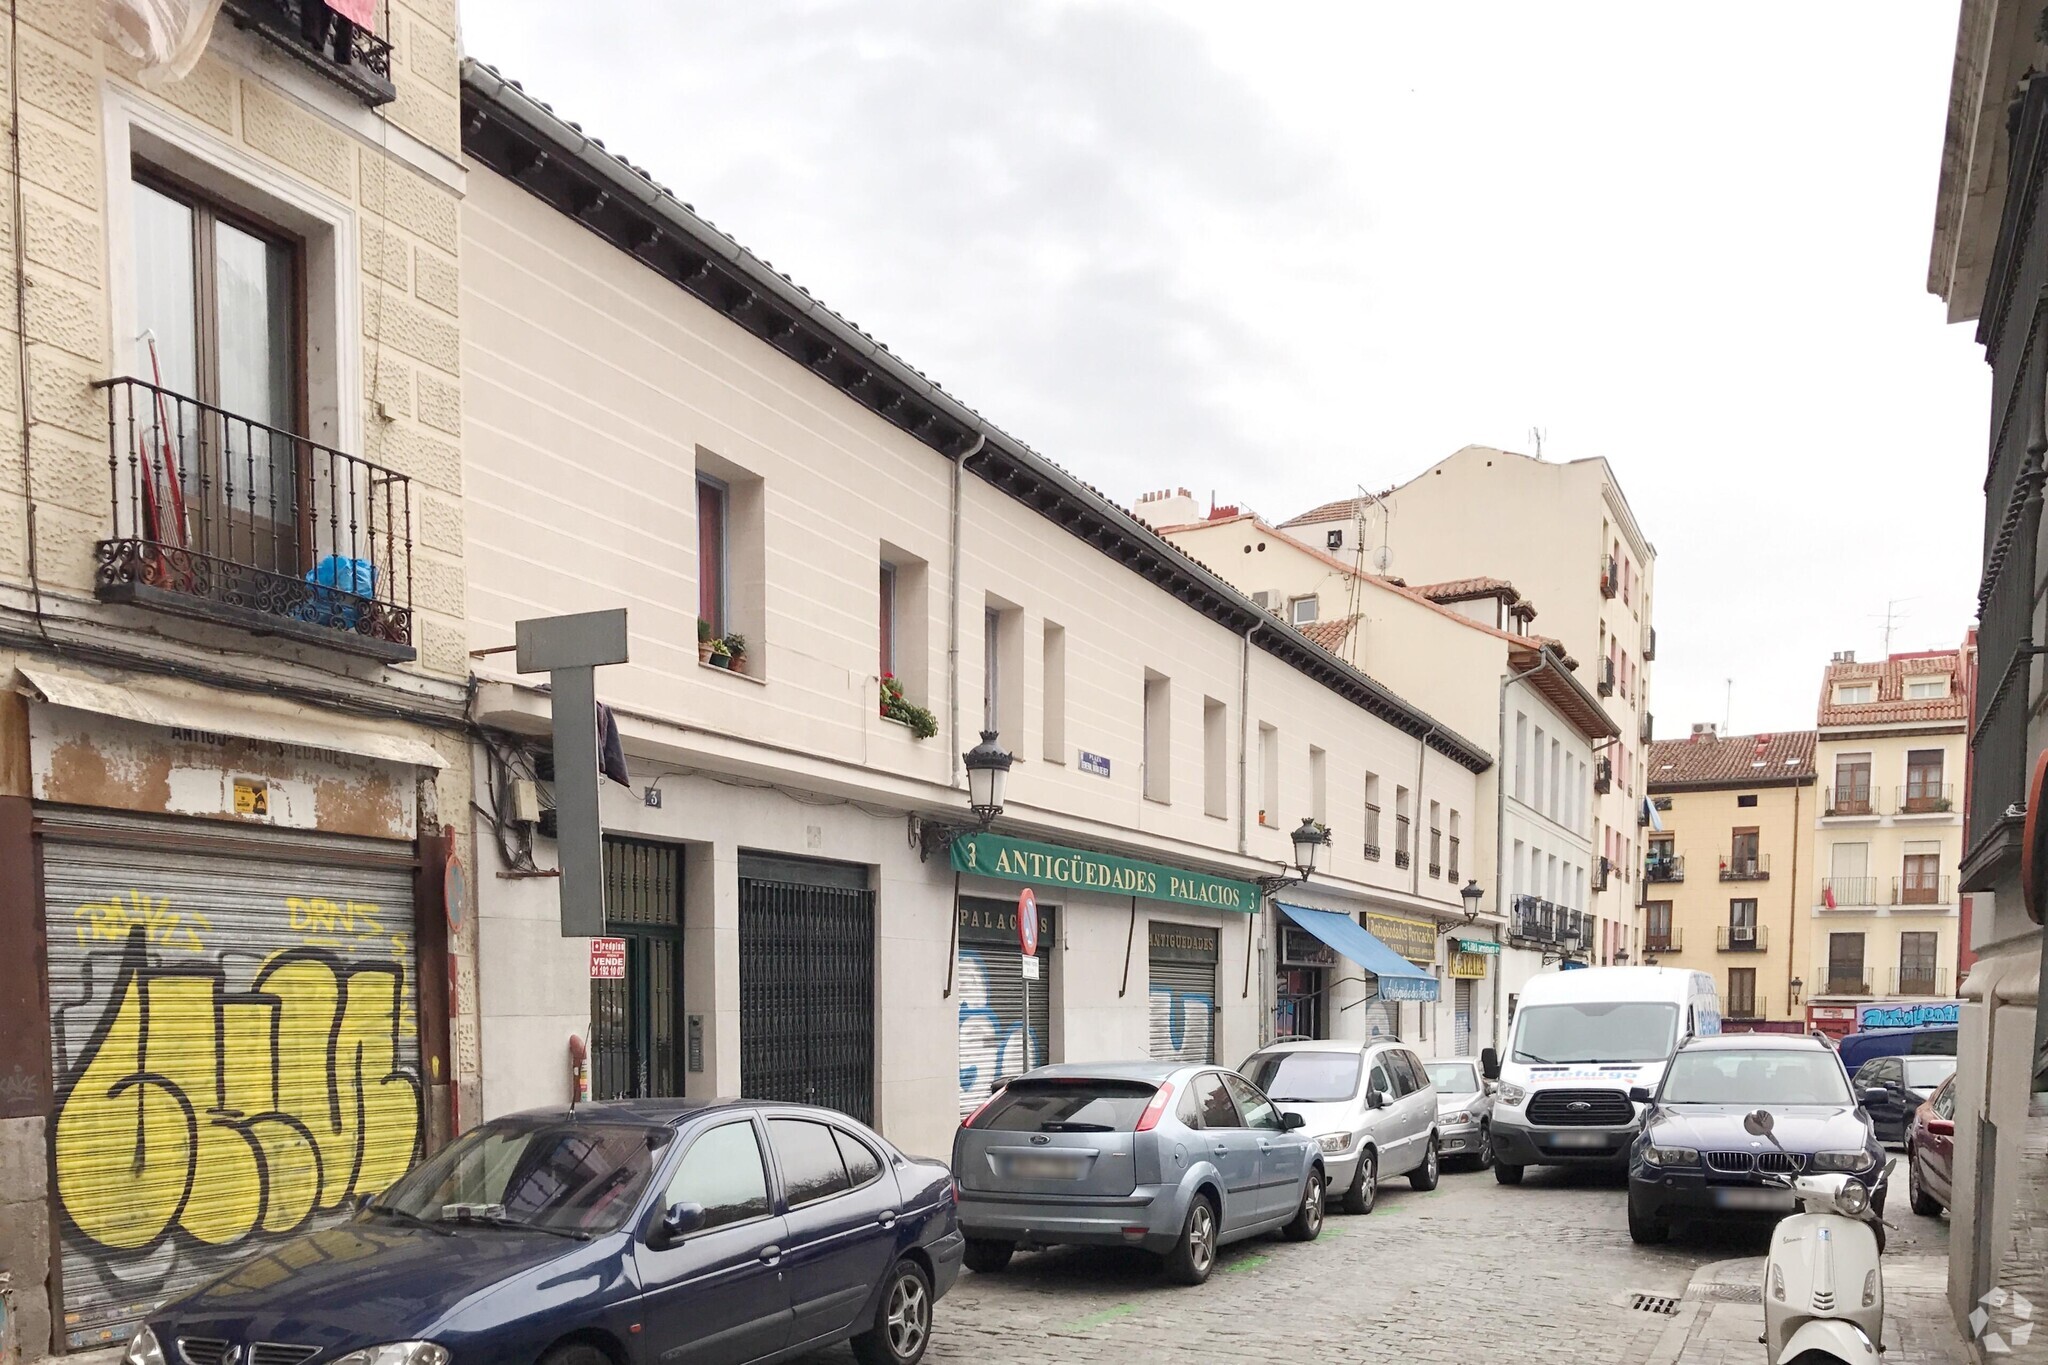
pixel 1178 1160
pixel 1370 1109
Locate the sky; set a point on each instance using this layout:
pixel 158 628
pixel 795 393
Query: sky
pixel 1275 252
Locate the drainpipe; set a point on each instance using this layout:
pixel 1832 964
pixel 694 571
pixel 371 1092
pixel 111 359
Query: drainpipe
pixel 1500 824
pixel 1415 818
pixel 953 616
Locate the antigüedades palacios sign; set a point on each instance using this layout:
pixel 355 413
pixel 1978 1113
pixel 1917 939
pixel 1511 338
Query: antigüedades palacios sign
pixel 1019 860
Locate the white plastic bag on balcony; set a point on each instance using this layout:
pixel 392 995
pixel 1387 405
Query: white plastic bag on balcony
pixel 166 36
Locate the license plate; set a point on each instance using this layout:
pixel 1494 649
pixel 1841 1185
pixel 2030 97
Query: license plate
pixel 1753 1199
pixel 1044 1168
pixel 1577 1139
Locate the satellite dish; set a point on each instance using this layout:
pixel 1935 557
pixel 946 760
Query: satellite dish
pixel 1383 559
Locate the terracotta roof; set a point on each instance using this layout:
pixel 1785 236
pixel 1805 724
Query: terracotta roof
pixel 1331 634
pixel 1890 706
pixel 1459 589
pixel 1344 509
pixel 1732 761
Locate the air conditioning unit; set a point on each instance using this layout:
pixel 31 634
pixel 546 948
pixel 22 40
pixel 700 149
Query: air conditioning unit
pixel 1742 933
pixel 1269 601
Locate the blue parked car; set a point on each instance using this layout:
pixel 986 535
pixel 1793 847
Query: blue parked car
pixel 665 1232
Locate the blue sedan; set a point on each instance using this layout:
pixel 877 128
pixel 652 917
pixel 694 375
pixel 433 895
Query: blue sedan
pixel 664 1232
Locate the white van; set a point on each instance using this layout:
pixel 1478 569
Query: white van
pixel 1581 1040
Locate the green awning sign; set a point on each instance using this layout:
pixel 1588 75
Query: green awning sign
pixel 1019 860
pixel 1479 945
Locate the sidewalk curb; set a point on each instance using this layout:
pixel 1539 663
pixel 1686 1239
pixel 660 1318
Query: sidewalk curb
pixel 1692 1310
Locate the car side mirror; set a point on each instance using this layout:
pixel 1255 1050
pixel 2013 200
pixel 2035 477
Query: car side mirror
pixel 1875 1094
pixel 1289 1121
pixel 679 1221
pixel 1640 1094
pixel 1489 1064
pixel 1378 1099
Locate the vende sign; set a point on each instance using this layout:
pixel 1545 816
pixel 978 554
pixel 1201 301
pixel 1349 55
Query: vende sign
pixel 607 959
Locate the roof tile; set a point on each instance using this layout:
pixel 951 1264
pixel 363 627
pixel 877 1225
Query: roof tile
pixel 1890 706
pixel 1731 760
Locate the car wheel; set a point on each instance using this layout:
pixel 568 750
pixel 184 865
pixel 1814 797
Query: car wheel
pixel 903 1320
pixel 1423 1177
pixel 1365 1185
pixel 1644 1230
pixel 1506 1174
pixel 985 1257
pixel 1194 1256
pixel 1924 1204
pixel 576 1353
pixel 1307 1224
pixel 1485 1157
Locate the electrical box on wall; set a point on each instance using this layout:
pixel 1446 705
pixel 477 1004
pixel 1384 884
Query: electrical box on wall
pixel 525 802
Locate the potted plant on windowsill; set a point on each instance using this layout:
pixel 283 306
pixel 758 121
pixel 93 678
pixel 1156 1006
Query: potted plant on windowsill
pixel 895 706
pixel 720 657
pixel 703 641
pixel 736 646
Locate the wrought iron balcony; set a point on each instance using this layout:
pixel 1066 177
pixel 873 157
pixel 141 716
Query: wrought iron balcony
pixel 1671 941
pixel 1918 889
pixel 221 517
pixel 1859 799
pixel 352 57
pixel 1848 893
pixel 1601 871
pixel 1755 868
pixel 1401 858
pixel 1603 775
pixel 1671 869
pixel 1908 981
pixel 1846 985
pixel 1650 646
pixel 1610 576
pixel 1755 1007
pixel 1372 853
pixel 1647 729
pixel 1607 677
pixel 1533 920
pixel 1742 938
pixel 1926 798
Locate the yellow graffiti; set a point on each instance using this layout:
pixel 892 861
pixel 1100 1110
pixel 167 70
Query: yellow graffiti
pixel 318 914
pixel 114 919
pixel 226 1113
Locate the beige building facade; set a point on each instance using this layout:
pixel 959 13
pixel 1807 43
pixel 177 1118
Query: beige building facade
pixel 232 633
pixel 1725 868
pixel 1563 534
pixel 656 419
pixel 1888 833
pixel 1532 832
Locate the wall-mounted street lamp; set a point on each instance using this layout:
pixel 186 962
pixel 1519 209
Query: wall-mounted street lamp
pixel 1797 984
pixel 1621 957
pixel 1471 893
pixel 988 775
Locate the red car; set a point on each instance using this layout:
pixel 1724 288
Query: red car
pixel 1931 1152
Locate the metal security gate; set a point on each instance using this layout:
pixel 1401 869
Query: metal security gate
pixel 1005 1020
pixel 234 1038
pixel 1461 1017
pixel 807 984
pixel 634 1020
pixel 1182 960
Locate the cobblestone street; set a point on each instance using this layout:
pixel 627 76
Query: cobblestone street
pixel 1471 1271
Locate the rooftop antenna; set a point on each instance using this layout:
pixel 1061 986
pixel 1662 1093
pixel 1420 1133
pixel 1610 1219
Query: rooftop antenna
pixel 1892 618
pixel 1727 706
pixel 1536 439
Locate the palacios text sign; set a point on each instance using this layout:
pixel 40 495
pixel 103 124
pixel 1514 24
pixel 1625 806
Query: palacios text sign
pixel 1019 860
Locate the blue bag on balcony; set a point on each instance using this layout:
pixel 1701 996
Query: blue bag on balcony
pixel 338 584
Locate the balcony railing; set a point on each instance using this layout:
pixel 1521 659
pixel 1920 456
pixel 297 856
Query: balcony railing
pixel 1601 871
pixel 1650 646
pixel 224 518
pixel 1671 869
pixel 1671 941
pixel 1401 858
pixel 1860 799
pixel 353 58
pixel 1607 677
pixel 1610 576
pixel 1846 985
pixel 1545 923
pixel 1848 892
pixel 1923 890
pixel 1603 775
pixel 1910 982
pixel 1742 938
pixel 1647 729
pixel 1755 1007
pixel 1453 869
pixel 1372 853
pixel 1746 869
pixel 1926 798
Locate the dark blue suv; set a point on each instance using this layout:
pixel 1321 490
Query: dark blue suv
pixel 665 1232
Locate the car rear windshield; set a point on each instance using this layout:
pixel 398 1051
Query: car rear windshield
pixel 1075 1106
pixel 567 1175
pixel 1454 1078
pixel 1596 1031
pixel 1304 1077
pixel 1761 1077
pixel 1925 1073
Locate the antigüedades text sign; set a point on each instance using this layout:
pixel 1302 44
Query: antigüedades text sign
pixel 1019 860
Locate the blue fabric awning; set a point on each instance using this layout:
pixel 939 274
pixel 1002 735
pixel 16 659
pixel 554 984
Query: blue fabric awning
pixel 1399 978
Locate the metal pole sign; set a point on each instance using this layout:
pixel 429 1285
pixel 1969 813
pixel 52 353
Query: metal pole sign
pixel 569 649
pixel 1027 922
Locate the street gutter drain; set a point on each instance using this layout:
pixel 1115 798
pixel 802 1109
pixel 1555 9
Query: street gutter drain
pixel 1737 1293
pixel 1654 1303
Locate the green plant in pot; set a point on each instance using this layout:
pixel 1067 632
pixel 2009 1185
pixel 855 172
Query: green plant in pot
pixel 895 706
pixel 736 646
pixel 720 657
pixel 703 641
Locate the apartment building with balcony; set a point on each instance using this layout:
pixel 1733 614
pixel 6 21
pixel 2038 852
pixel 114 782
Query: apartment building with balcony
pixel 1888 834
pixel 1727 829
pixel 656 418
pixel 1565 537
pixel 232 615
pixel 1529 840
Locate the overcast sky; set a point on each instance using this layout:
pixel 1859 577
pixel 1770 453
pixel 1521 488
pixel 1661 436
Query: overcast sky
pixel 1278 251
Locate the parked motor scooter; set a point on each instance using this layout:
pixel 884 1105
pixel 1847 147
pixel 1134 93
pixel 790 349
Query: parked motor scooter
pixel 1823 1282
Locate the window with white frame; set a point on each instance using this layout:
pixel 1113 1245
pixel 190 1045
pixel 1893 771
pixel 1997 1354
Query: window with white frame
pixel 1302 610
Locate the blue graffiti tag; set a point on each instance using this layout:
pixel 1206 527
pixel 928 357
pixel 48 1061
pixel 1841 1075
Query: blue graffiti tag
pixel 1018 1047
pixel 1190 1018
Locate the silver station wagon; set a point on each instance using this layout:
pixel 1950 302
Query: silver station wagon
pixel 1178 1160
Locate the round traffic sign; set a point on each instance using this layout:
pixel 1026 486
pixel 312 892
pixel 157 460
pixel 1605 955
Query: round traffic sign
pixel 1027 921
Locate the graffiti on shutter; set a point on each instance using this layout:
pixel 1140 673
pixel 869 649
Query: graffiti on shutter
pixel 999 1038
pixel 1182 961
pixel 236 1055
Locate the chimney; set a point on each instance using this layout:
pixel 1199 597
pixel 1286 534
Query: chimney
pixel 1844 656
pixel 1167 507
pixel 1704 729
